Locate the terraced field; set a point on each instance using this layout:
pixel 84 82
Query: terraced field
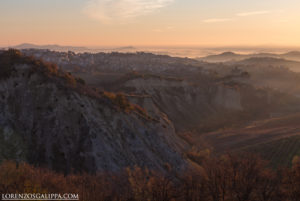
pixel 279 152
pixel 276 140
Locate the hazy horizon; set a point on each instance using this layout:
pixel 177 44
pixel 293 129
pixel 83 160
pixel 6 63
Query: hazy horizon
pixel 177 51
pixel 150 22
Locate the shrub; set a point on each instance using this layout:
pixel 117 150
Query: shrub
pixel 69 78
pixel 7 61
pixel 119 99
pixel 80 81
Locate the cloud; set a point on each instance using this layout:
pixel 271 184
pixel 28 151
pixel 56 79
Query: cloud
pixel 168 28
pixel 261 12
pixel 283 21
pixel 108 11
pixel 157 30
pixel 242 14
pixel 214 20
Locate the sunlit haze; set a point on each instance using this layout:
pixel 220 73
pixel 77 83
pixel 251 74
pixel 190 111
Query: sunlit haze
pixel 150 22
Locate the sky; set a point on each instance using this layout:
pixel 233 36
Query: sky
pixel 150 22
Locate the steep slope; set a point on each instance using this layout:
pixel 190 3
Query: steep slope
pixel 67 126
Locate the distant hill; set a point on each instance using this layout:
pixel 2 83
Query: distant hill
pixel 76 49
pixel 125 48
pixel 294 55
pixel 224 57
pixel 51 47
pixel 231 56
pixel 270 61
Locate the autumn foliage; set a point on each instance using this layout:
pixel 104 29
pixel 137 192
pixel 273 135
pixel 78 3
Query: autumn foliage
pixel 226 178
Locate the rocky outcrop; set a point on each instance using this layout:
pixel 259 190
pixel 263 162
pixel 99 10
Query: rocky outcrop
pixel 66 130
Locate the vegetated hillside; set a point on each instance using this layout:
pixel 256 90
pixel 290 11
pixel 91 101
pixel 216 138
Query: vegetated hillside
pixel 115 62
pixel 51 119
pixel 276 139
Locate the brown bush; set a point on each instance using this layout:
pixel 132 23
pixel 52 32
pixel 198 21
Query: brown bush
pixel 120 100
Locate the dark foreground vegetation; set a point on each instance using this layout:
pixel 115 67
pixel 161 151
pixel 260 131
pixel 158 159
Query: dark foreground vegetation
pixel 226 178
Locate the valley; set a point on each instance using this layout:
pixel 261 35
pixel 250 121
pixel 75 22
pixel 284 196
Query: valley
pixel 217 106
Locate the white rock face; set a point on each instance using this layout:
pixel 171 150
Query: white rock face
pixel 67 130
pixel 228 98
pixel 185 104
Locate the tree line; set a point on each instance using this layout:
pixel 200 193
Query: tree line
pixel 229 177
